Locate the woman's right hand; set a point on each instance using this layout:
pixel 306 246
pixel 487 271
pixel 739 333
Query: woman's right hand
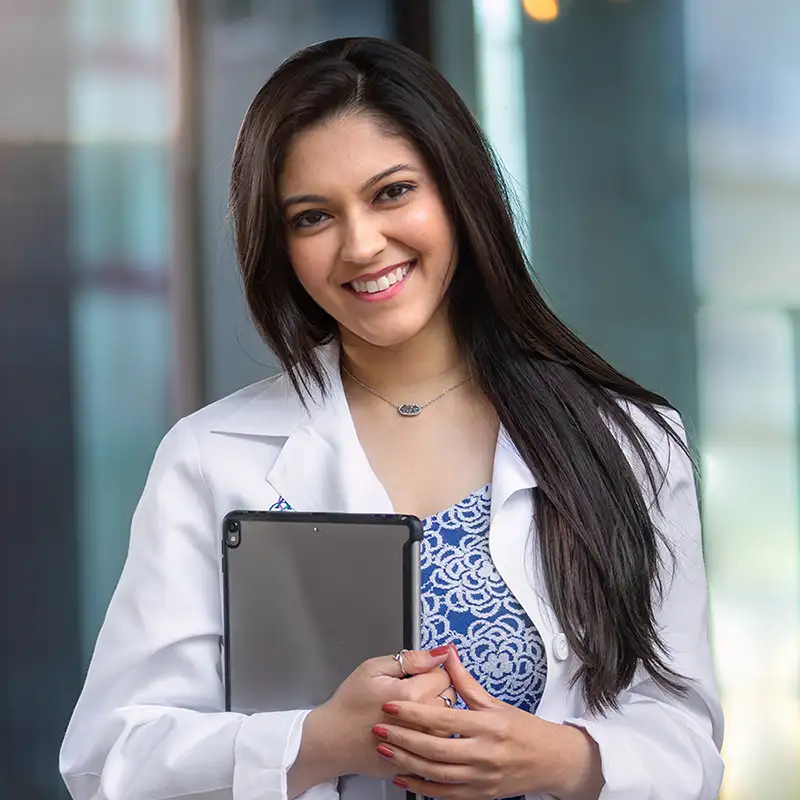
pixel 338 733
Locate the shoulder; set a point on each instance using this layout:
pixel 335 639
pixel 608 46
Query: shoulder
pixel 651 428
pixel 259 407
pixel 663 435
pixel 270 407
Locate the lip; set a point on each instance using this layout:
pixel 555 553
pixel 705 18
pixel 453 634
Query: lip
pixel 373 276
pixel 386 294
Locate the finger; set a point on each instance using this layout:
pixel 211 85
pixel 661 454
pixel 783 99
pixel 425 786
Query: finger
pixel 472 693
pixel 418 662
pixel 437 720
pixel 421 688
pixel 432 748
pixel 409 763
pixel 414 662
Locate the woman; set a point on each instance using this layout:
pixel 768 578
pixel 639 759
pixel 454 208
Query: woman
pixel 562 554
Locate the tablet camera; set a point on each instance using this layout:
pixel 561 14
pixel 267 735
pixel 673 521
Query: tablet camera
pixel 233 534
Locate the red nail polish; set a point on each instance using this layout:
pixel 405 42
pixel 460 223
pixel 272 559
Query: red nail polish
pixel 380 732
pixel 400 782
pixel 440 651
pixel 390 708
pixel 384 751
pixel 455 649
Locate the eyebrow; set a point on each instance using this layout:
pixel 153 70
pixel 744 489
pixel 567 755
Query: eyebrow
pixel 368 184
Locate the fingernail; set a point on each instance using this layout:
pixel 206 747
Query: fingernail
pixel 400 782
pixel 384 751
pixel 440 651
pixel 390 708
pixel 455 649
pixel 380 732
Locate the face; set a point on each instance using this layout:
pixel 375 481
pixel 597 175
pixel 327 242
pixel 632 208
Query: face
pixel 367 232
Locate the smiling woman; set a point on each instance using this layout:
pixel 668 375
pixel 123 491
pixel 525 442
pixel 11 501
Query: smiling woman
pixel 359 230
pixel 563 604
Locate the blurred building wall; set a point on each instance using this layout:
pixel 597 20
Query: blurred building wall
pixel 40 660
pixel 743 73
pixel 86 127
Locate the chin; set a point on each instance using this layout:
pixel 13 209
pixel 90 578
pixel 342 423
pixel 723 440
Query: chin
pixel 387 338
pixel 386 335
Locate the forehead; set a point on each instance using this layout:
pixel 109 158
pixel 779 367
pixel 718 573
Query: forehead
pixel 341 154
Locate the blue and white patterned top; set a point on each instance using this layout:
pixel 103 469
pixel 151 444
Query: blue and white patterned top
pixel 466 602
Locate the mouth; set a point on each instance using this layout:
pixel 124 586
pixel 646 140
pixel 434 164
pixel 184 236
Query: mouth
pixel 384 284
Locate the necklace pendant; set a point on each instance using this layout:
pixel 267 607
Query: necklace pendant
pixel 409 410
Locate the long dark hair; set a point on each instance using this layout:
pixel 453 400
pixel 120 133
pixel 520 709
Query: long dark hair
pixel 558 400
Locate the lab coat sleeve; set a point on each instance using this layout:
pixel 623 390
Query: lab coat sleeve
pixel 150 723
pixel 658 746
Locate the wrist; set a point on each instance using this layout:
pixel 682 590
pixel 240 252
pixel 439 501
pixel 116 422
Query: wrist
pixel 320 757
pixel 576 772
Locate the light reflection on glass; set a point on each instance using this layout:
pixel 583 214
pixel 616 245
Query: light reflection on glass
pixel 122 115
pixel 502 95
pixel 541 10
pixel 742 67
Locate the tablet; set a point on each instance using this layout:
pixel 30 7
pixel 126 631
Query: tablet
pixel 308 597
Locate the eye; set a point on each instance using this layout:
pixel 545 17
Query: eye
pixel 395 191
pixel 308 219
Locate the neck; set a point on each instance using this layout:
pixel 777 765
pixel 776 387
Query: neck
pixel 420 366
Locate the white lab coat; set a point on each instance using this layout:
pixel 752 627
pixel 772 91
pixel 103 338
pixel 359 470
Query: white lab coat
pixel 150 723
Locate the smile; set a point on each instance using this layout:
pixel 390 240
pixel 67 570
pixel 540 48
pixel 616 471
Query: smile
pixel 384 285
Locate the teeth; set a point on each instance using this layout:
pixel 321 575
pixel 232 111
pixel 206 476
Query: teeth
pixel 382 283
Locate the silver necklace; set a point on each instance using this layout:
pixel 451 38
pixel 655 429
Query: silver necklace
pixel 404 409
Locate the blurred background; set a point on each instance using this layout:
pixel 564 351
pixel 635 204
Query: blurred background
pixel 654 146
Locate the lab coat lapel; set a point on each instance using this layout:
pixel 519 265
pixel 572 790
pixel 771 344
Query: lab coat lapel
pixel 514 547
pixel 322 466
pixel 511 539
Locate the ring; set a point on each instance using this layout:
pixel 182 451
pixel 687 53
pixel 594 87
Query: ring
pixel 447 701
pixel 398 657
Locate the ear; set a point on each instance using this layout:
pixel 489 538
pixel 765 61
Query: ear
pixel 472 693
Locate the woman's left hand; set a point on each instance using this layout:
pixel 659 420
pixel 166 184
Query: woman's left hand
pixel 500 750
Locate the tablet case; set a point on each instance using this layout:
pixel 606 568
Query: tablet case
pixel 307 598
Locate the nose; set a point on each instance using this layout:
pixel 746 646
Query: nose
pixel 363 239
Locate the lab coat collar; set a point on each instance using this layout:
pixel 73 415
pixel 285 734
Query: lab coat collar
pixel 322 466
pixel 510 473
pixel 273 408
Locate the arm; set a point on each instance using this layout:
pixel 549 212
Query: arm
pixel 150 721
pixel 658 746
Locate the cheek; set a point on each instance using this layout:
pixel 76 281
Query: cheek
pixel 310 262
pixel 429 230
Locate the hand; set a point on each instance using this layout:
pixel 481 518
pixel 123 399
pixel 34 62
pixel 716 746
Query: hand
pixel 348 715
pixel 501 751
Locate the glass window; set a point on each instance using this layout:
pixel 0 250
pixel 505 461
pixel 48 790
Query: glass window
pixel 86 338
pixel 658 167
